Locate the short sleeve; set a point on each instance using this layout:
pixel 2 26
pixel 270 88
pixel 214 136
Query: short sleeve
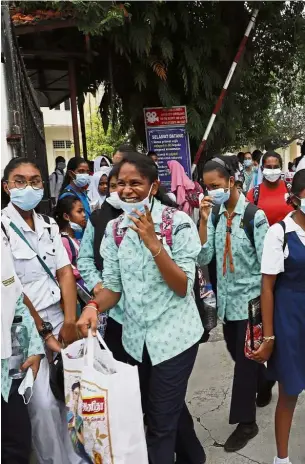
pixel 273 253
pixel 62 258
pixel 109 253
pixel 186 246
pixel 85 262
pixel 261 227
pixel 208 249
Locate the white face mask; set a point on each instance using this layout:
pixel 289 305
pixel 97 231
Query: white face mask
pixel 114 200
pixel 75 227
pixel 140 205
pixel 272 175
pixel 26 387
pixel 220 195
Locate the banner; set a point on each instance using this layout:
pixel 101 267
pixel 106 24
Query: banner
pixel 167 137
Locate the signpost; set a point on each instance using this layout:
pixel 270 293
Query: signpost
pixel 166 135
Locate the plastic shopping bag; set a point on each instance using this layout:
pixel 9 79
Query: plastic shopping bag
pixel 103 401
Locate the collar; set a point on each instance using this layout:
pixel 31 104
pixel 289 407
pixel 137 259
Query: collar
pixel 292 226
pixel 239 208
pixel 17 219
pixel 156 214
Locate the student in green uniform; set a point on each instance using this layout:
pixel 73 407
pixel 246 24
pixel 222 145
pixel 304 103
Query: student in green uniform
pixel 161 323
pixel 238 251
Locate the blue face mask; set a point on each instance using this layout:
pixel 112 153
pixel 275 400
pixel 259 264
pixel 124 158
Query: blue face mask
pixel 248 163
pixel 219 196
pixel 82 180
pixel 255 169
pixel 26 199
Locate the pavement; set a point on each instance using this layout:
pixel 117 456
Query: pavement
pixel 208 399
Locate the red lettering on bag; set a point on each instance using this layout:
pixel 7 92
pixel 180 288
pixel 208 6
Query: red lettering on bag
pixel 93 405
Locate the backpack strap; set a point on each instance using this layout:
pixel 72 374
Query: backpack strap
pixel 215 215
pixel 118 232
pixel 248 221
pixel 167 225
pixel 4 231
pixel 283 225
pixel 48 221
pixel 73 250
pixel 256 192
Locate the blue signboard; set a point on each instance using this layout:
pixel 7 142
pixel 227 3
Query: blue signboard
pixel 170 143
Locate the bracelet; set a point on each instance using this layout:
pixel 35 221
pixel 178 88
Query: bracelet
pixel 92 302
pixel 91 306
pixel 269 339
pixel 157 254
pixel 48 336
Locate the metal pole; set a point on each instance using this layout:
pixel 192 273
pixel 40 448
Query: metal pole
pixel 224 89
pixel 80 103
pixel 73 95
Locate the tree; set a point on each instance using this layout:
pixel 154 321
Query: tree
pixel 99 142
pixel 163 53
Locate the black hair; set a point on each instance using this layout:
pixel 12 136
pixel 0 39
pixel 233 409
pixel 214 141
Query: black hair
pixel 272 154
pixel 298 183
pixel 246 152
pixel 59 159
pixel 73 164
pixel 290 165
pixel 151 153
pixel 226 166
pixel 147 168
pixel 13 164
pixel 75 385
pixel 241 157
pixel 256 156
pixel 64 206
pixel 125 148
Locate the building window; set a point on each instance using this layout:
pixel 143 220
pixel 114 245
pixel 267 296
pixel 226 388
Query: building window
pixel 57 107
pixel 58 144
pixel 67 105
pixel 68 144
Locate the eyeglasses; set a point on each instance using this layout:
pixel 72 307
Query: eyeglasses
pixel 36 184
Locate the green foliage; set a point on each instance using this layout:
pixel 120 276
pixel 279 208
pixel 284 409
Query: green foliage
pixel 99 142
pixel 163 53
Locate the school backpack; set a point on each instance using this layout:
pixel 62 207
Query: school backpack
pixel 192 196
pixel 256 190
pixel 166 228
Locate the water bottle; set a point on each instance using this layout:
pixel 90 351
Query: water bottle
pixel 20 343
pixel 210 310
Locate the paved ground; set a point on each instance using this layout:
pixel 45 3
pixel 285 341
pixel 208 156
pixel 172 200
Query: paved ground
pixel 209 400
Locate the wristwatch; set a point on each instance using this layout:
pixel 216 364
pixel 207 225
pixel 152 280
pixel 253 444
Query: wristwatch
pixel 46 329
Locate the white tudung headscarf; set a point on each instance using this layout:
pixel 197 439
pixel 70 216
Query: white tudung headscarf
pixel 97 163
pixel 95 198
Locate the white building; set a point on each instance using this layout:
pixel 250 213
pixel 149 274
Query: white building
pixel 58 133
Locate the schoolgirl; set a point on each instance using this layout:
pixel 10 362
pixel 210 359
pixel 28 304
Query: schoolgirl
pixel 149 255
pixel 283 311
pixel 234 232
pixel 43 267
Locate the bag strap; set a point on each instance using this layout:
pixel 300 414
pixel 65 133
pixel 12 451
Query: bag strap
pixel 283 225
pixel 4 231
pixel 215 215
pixel 248 221
pixel 256 192
pixel 118 233
pixel 167 225
pixel 73 250
pixel 46 268
pixel 48 221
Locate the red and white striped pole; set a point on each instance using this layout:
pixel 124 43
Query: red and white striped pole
pixel 224 89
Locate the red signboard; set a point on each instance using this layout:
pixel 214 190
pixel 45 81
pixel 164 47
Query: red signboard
pixel 156 117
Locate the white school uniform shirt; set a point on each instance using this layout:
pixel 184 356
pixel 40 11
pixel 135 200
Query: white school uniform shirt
pixel 273 256
pixel 46 241
pixel 11 290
